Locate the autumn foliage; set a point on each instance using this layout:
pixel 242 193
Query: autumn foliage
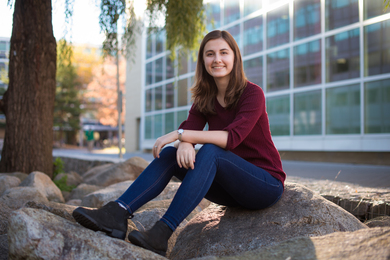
pixel 101 92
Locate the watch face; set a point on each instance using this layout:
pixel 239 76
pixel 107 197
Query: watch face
pixel 180 131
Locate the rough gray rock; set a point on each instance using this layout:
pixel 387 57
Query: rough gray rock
pixel 219 231
pixel 82 190
pixel 7 182
pixel 101 197
pixel 383 221
pixel 5 211
pixel 368 244
pixel 43 184
pixel 73 178
pixel 15 198
pixel 38 234
pixel 4 247
pixel 109 174
pixel 20 175
pixel 362 202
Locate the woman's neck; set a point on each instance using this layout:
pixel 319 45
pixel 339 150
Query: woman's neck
pixel 222 84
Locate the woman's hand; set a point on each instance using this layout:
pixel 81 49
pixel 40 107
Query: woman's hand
pixel 162 141
pixel 185 155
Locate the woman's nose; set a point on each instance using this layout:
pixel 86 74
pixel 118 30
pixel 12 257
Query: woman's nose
pixel 217 58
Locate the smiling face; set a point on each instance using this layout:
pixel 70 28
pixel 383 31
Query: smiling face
pixel 218 59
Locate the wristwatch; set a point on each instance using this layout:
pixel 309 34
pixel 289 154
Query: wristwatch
pixel 180 133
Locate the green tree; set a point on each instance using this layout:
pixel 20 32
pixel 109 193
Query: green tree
pixel 386 3
pixel 67 101
pixel 28 103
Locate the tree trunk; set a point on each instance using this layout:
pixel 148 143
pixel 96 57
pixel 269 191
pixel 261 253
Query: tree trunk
pixel 29 100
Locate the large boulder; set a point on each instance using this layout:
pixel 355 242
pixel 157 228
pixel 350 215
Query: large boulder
pixel 7 181
pixel 44 185
pixel 38 234
pixel 109 174
pixel 16 197
pixel 361 244
pixel 20 175
pixel 219 231
pixel 4 247
pixel 82 190
pixel 101 197
pixel 72 178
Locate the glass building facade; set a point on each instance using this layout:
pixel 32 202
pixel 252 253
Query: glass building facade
pixel 4 61
pixel 324 66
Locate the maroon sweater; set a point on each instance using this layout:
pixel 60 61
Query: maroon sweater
pixel 248 127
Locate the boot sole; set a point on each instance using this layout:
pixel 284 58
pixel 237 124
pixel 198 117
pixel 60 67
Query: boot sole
pixel 88 222
pixel 136 239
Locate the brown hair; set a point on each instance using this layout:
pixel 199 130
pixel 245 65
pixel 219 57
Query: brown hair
pixel 205 90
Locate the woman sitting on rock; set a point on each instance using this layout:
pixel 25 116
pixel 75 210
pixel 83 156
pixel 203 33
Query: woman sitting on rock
pixel 237 166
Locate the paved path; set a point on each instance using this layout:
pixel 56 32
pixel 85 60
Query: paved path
pixel 365 175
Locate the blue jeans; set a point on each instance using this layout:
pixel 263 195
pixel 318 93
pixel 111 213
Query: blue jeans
pixel 219 176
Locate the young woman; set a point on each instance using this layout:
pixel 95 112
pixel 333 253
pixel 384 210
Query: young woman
pixel 238 164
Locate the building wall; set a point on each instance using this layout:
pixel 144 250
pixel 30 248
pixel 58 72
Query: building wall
pixel 134 81
pixel 324 66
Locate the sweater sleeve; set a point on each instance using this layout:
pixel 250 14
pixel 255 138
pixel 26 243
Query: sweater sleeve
pixel 195 120
pixel 249 109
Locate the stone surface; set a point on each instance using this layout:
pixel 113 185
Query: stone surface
pixel 16 197
pixel 362 202
pixel 5 211
pixel 219 231
pixel 43 184
pixel 82 190
pixel 59 209
pixel 3 247
pixel 383 221
pixel 73 178
pixel 20 175
pixel 101 197
pixel 38 234
pixel 361 244
pixel 7 182
pixel 79 165
pixel 109 174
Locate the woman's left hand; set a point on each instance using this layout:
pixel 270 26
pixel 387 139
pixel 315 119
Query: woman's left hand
pixel 162 141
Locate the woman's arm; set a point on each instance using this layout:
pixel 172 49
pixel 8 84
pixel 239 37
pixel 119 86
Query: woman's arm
pixel 218 138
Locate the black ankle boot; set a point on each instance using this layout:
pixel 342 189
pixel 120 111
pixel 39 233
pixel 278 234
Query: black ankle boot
pixel 154 239
pixel 111 219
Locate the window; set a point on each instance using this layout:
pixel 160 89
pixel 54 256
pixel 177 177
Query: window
pixel 169 122
pixel 307 113
pixel 149 46
pixel 339 13
pixel 159 70
pixel 251 6
pixel 253 35
pixel 169 96
pixel 374 8
pixel 170 70
pixel 231 11
pixel 307 64
pixel 235 32
pixel 148 127
pixel 342 56
pixel 158 102
pixel 278 110
pixel 278 27
pixel 307 18
pixel 254 70
pixel 343 110
pixel 148 100
pixel 181 116
pixel 149 73
pixel 377 48
pixel 377 107
pixel 158 128
pixel 278 70
pixel 213 15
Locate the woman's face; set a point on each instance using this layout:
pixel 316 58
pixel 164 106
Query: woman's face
pixel 218 58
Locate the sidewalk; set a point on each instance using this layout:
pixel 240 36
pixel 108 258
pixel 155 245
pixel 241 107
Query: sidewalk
pixel 373 176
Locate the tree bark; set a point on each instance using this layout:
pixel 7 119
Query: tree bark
pixel 29 100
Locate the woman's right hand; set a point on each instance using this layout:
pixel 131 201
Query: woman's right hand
pixel 185 155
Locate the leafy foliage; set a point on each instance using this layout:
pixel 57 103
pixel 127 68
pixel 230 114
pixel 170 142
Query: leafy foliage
pixel 58 166
pixel 386 4
pixel 67 102
pixel 184 22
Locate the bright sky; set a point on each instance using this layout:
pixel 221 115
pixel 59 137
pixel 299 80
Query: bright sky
pixel 85 28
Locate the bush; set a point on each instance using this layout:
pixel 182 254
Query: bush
pixel 58 166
